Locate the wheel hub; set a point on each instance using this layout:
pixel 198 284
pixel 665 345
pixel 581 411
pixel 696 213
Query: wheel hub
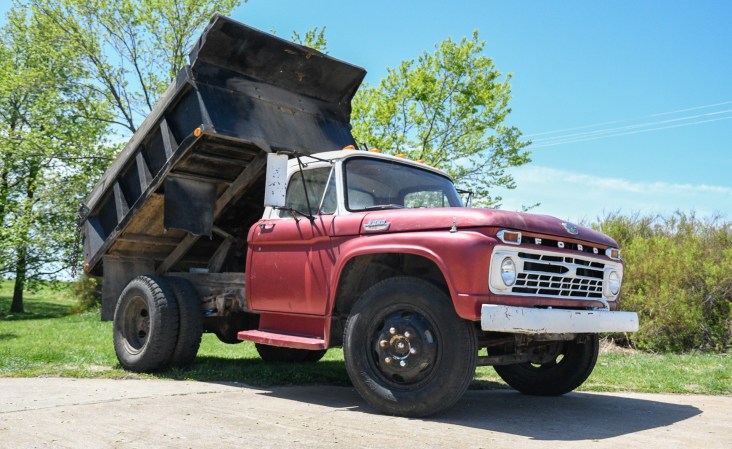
pixel 136 327
pixel 405 347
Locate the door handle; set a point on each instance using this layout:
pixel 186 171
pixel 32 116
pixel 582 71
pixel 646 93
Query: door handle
pixel 266 226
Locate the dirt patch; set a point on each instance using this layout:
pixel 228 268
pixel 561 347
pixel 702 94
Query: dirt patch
pixel 609 346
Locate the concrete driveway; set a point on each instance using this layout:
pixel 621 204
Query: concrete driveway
pixel 52 412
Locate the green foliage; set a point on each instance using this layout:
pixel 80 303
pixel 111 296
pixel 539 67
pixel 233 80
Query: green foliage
pixel 448 109
pixel 131 49
pixel 87 292
pixel 73 73
pixel 51 142
pixel 678 277
pixel 313 38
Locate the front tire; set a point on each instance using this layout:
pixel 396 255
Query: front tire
pixel 566 367
pixel 406 350
pixel 145 324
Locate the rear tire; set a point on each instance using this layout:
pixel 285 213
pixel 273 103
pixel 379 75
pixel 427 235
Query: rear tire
pixel 406 350
pixel 145 324
pixel 279 354
pixel 571 364
pixel 190 327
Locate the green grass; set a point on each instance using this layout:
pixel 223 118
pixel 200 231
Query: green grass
pixel 49 340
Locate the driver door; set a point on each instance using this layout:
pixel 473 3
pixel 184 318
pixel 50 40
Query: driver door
pixel 292 257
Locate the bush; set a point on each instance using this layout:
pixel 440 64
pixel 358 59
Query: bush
pixel 678 277
pixel 87 292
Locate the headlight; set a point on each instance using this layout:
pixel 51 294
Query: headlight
pixel 613 282
pixel 508 271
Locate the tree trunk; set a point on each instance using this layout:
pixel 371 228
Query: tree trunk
pixel 20 273
pixel 21 263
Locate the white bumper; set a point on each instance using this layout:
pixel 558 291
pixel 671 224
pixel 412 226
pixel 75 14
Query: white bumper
pixel 527 320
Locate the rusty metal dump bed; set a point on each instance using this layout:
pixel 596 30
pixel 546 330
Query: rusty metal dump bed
pixel 195 166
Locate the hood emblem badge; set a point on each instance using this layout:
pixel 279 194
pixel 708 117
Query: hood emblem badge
pixel 569 227
pixel 376 225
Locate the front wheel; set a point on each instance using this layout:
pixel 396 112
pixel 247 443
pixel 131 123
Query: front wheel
pixel 564 366
pixel 406 350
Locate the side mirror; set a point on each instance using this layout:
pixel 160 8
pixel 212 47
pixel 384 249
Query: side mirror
pixel 276 182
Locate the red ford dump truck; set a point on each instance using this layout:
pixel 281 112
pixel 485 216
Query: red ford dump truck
pixel 236 210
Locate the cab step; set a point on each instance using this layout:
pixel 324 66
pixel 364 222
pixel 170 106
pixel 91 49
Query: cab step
pixel 281 339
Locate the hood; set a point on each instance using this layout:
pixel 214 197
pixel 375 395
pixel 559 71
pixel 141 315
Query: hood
pixel 404 220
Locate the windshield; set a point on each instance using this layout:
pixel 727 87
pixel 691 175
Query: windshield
pixel 373 184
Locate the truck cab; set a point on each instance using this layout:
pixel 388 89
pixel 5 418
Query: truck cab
pixel 377 254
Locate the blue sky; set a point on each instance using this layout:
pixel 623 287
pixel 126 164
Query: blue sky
pixel 629 103
pixel 626 65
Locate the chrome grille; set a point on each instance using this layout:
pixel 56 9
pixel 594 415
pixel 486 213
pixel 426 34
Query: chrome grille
pixel 558 275
pixel 545 273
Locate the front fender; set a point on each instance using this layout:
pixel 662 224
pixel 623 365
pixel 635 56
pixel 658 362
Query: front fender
pixel 462 257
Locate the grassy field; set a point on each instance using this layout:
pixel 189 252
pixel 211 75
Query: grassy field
pixel 48 340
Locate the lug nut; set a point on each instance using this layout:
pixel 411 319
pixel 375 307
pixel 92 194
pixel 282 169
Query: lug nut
pixel 392 331
pixel 383 343
pixel 388 360
pixel 407 334
pixel 402 363
pixel 413 350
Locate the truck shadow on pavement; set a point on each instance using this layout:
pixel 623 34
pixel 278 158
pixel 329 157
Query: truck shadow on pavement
pixel 572 417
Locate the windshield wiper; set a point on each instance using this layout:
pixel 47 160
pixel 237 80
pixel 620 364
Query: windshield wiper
pixel 384 207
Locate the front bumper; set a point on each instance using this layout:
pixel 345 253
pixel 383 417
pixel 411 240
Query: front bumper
pixel 528 320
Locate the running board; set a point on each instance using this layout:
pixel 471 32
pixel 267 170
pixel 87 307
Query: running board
pixel 285 340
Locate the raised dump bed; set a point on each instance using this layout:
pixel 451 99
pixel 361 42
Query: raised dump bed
pixel 195 167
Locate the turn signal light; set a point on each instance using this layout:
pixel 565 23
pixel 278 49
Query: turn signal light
pixel 197 132
pixel 510 237
pixel 613 253
pixel 349 147
pixel 374 150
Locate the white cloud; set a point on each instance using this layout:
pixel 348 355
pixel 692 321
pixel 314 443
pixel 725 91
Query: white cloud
pixel 578 196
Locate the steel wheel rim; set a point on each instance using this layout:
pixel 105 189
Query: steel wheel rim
pixel 404 347
pixel 135 327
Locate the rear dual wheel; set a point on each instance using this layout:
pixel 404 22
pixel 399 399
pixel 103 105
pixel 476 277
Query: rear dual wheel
pixel 157 323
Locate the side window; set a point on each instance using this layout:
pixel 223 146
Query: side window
pixel 319 181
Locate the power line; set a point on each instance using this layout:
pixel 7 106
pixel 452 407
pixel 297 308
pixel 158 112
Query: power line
pixel 628 119
pixel 551 144
pixel 610 132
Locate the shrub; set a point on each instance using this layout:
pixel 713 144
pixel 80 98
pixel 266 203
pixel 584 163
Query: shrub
pixel 87 291
pixel 678 277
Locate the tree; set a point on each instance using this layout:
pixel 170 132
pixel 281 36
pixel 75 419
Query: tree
pixel 448 109
pixel 132 49
pixel 313 38
pixel 50 143
pixel 74 72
